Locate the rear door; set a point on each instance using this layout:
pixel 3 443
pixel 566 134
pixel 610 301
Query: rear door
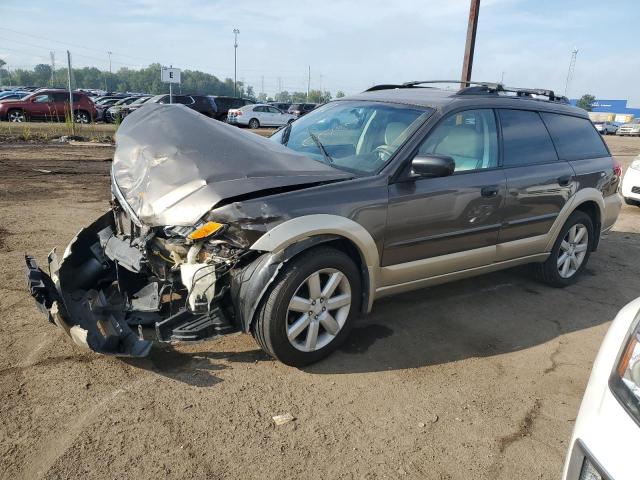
pixel 538 182
pixel 431 217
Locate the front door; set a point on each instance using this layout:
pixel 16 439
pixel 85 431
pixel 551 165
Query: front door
pixel 43 107
pixel 538 184
pixel 432 217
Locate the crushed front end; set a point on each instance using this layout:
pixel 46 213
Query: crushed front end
pixel 117 280
pixel 159 258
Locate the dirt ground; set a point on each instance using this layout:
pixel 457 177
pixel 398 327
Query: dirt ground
pixel 478 379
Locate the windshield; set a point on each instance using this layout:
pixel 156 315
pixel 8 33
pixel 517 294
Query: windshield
pixel 140 100
pixel 356 136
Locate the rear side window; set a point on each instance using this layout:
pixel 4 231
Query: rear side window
pixel 525 139
pixel 575 138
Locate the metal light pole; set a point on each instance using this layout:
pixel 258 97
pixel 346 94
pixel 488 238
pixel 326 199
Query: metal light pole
pixel 470 46
pixel 572 65
pixel 235 61
pixel 109 53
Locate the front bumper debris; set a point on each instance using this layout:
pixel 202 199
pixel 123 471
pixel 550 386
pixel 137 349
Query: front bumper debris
pixel 97 293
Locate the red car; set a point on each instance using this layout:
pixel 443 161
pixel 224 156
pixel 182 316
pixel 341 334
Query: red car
pixel 48 105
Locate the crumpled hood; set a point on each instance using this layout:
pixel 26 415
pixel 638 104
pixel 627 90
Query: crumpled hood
pixel 172 165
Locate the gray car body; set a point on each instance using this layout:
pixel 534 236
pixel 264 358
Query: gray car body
pixel 404 232
pixel 418 231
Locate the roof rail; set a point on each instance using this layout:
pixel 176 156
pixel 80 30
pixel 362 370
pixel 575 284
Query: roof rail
pixel 479 88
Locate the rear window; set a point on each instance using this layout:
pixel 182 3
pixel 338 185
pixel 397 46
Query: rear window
pixel 525 139
pixel 574 137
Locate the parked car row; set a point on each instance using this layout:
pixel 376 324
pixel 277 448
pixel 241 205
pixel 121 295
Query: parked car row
pixel 53 104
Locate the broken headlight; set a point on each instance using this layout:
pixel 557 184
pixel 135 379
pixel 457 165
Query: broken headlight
pixel 625 378
pixel 199 232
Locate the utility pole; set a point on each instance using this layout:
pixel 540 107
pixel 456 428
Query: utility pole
pixel 308 83
pixel 262 84
pixel 106 85
pixel 53 68
pixel 235 61
pixel 572 65
pixel 73 128
pixel 470 45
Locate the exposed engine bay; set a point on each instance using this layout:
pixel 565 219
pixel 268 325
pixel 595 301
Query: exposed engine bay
pixel 117 282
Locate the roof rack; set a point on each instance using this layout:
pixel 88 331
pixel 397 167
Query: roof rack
pixel 479 88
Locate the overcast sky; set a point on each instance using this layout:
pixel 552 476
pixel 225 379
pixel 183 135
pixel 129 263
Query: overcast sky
pixel 349 45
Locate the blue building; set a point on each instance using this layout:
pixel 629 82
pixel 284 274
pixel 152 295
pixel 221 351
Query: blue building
pixel 618 108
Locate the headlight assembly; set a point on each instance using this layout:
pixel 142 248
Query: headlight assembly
pixel 635 164
pixel 625 378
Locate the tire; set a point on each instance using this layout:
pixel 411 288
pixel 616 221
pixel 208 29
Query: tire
pixel 275 318
pixel 553 270
pixel 82 117
pixel 254 123
pixel 17 116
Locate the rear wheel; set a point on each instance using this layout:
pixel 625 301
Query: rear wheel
pixel 82 117
pixel 17 116
pixel 571 251
pixel 308 311
pixel 254 123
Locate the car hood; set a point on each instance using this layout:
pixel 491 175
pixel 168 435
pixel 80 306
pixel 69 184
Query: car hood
pixel 172 165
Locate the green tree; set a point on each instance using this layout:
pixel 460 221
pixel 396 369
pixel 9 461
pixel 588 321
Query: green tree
pixel 283 96
pixel 585 102
pixel 339 94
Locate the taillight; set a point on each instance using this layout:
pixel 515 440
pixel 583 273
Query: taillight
pixel 617 168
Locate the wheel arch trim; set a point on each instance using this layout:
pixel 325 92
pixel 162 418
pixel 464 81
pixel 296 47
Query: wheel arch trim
pixel 292 237
pixel 579 198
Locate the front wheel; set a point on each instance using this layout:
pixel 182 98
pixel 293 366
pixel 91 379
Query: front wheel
pixel 16 116
pixel 254 123
pixel 309 309
pixel 570 252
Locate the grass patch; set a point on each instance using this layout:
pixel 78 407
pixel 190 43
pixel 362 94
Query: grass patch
pixel 35 132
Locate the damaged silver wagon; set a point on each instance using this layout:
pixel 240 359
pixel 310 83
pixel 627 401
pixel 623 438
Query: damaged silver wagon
pixel 213 229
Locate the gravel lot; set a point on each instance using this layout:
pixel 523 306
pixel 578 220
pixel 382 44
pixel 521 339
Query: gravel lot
pixel 478 379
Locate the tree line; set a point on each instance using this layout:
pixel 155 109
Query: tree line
pixel 147 80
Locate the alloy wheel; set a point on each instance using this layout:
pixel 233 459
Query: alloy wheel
pixel 82 117
pixel 318 310
pixel 573 250
pixel 16 116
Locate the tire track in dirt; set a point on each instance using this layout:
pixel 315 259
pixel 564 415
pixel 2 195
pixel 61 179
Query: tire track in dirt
pixel 56 445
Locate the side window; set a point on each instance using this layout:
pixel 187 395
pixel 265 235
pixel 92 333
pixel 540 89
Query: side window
pixel 525 139
pixel 43 99
pixel 62 97
pixel 76 97
pixel 469 137
pixel 574 137
pixel 273 110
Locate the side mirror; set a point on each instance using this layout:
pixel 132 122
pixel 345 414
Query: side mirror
pixel 432 166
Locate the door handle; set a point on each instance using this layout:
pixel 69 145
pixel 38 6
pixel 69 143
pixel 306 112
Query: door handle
pixel 564 180
pixel 490 191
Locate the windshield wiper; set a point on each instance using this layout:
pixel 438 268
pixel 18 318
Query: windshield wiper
pixel 317 141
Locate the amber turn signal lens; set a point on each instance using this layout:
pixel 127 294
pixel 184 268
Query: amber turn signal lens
pixel 205 230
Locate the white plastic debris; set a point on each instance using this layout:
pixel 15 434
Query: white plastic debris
pixel 282 419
